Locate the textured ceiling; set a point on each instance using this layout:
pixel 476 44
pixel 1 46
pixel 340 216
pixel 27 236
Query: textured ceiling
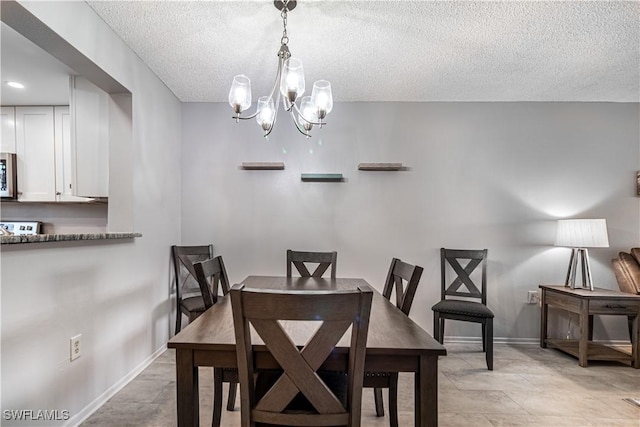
pixel 393 50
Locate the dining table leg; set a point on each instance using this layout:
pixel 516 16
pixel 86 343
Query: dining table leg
pixel 187 389
pixel 426 392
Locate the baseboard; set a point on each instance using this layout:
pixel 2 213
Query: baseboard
pixel 88 410
pixel 496 340
pixel 519 341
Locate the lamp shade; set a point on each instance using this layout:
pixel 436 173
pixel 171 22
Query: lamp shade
pixel 582 233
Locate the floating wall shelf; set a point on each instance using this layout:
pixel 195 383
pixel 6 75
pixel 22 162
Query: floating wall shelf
pixel 322 177
pixel 380 166
pixel 263 165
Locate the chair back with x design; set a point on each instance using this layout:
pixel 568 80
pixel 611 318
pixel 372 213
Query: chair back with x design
pixel 404 278
pixel 266 310
pixel 211 275
pixel 300 259
pixel 462 275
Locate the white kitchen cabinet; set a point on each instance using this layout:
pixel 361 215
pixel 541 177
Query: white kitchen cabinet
pixel 35 152
pixel 89 138
pixel 44 155
pixel 8 122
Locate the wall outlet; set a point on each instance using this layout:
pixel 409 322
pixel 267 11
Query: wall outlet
pixel 533 297
pixel 75 348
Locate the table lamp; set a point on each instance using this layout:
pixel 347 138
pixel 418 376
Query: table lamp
pixel 580 234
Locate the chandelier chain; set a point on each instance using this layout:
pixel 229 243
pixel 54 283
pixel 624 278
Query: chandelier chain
pixel 285 38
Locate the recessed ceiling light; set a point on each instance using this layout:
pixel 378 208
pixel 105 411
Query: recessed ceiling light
pixel 15 85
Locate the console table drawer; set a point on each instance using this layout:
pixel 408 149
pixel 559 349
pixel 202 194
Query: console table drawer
pixel 630 308
pixel 562 301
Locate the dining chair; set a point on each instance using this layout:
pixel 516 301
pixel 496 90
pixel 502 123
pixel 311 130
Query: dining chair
pixel 404 279
pixel 299 394
pixel 212 276
pixel 188 297
pixel 300 259
pixel 473 308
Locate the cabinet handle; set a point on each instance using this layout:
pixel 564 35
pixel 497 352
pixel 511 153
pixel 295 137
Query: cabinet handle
pixel 58 193
pixel 622 307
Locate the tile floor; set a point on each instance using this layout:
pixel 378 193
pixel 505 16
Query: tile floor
pixel 529 386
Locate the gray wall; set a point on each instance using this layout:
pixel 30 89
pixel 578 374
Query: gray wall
pixel 115 293
pixel 482 175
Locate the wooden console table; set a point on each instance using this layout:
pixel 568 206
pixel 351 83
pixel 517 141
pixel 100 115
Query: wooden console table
pixel 587 303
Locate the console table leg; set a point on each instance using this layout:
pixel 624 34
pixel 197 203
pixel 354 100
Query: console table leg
pixel 583 344
pixel 544 313
pixel 635 342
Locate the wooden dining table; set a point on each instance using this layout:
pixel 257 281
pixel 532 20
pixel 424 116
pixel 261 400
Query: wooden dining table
pixel 395 344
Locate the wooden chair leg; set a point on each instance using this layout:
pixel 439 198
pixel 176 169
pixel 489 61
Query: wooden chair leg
pixel 231 400
pixel 178 322
pixel 484 336
pixel 489 339
pixel 393 400
pixel 438 327
pixel 377 397
pixel 217 397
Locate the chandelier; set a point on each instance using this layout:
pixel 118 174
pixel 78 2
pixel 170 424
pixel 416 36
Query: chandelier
pixel 289 83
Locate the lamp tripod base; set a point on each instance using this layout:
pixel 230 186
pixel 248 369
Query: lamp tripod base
pixel 585 266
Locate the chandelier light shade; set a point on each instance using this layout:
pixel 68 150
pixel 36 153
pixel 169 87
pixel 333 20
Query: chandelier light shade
pixel 240 93
pixel 321 97
pixel 292 82
pixel 306 111
pixel 266 113
pixel 580 234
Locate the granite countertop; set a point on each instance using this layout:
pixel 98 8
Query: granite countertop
pixel 39 238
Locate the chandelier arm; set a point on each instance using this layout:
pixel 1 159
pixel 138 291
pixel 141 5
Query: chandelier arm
pixel 293 118
pixel 288 105
pixel 252 116
pixel 277 82
pixel 295 107
pixel 247 117
pixel 275 85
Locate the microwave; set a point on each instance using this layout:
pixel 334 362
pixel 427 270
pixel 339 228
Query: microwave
pixel 8 176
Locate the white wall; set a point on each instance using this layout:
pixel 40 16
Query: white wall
pixel 113 293
pixel 482 175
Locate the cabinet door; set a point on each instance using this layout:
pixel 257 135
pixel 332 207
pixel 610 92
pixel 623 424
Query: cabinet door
pixel 35 152
pixel 64 158
pixel 90 138
pixel 8 141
